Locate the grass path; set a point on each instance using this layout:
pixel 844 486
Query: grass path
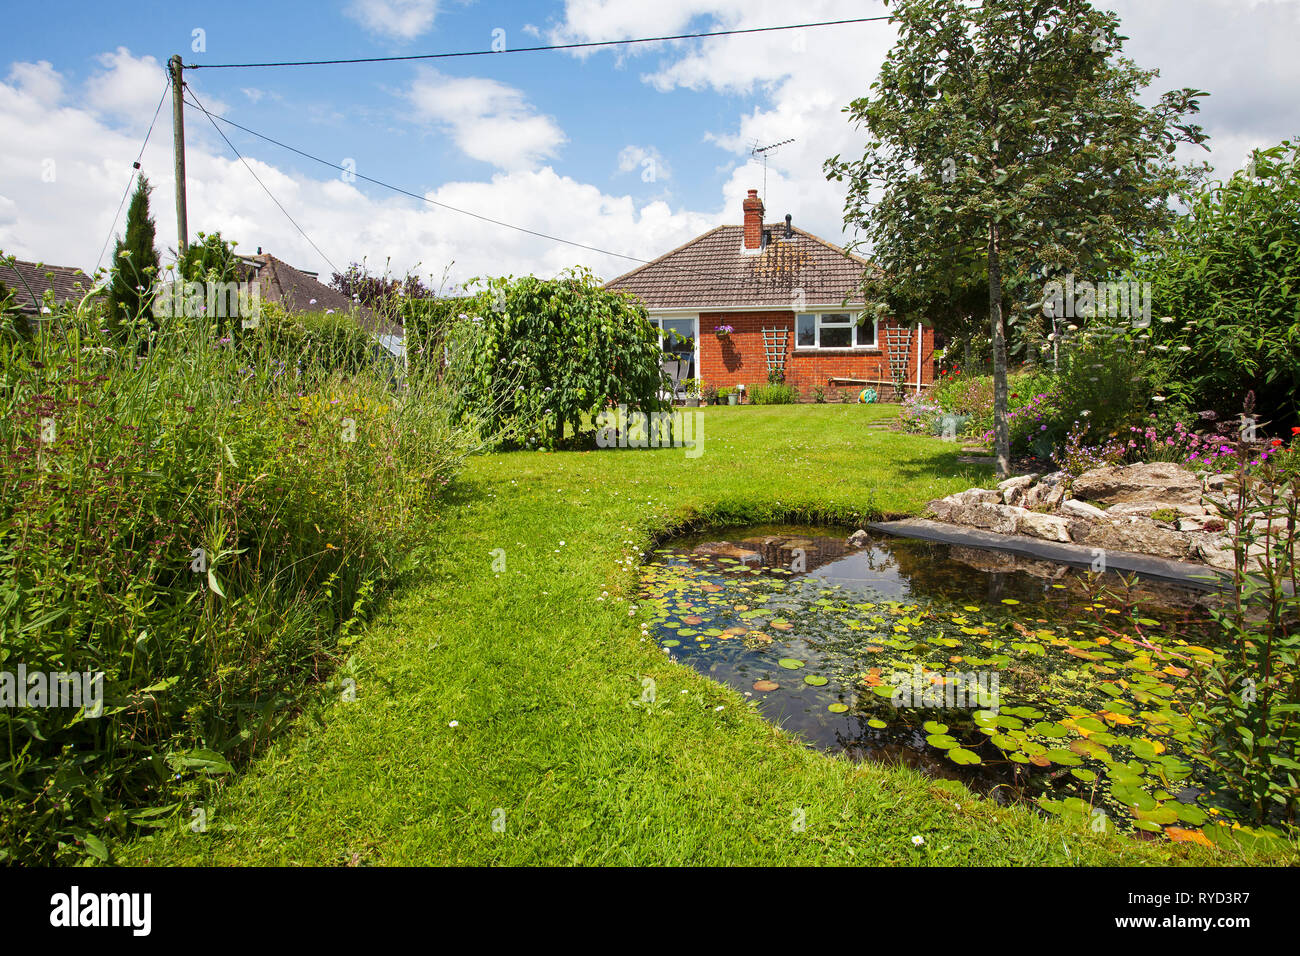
pixel 541 676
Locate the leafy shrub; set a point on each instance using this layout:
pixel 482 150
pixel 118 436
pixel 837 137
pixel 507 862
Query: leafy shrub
pixel 966 395
pixel 819 395
pixel 775 393
pixel 201 521
pixel 551 353
pixel 316 340
pixel 1101 384
pixel 1227 281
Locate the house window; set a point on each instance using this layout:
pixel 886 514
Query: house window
pixel 677 338
pixel 833 330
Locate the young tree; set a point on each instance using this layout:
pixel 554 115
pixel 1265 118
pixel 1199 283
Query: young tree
pixel 135 263
pixel 1007 145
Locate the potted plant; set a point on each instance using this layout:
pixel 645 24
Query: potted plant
pixel 722 331
pixel 711 395
pixel 726 396
pixel 692 399
pixel 738 396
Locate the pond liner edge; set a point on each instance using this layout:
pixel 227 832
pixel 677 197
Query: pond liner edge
pixel 1182 573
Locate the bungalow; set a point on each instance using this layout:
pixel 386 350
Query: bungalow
pixel 793 304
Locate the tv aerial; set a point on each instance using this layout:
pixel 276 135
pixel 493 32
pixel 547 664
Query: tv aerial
pixel 762 151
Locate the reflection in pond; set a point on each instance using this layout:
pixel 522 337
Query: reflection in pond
pixel 1018 677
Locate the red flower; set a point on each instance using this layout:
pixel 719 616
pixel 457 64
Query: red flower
pixel 1295 431
pixel 1276 443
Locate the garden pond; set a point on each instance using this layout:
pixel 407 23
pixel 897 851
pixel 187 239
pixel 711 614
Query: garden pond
pixel 1023 679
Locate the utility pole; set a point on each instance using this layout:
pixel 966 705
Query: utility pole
pixel 178 148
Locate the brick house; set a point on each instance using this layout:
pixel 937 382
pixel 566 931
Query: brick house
pixel 793 300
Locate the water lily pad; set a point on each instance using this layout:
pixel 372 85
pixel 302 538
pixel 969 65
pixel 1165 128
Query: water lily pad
pixel 816 680
pixel 766 685
pixel 837 708
pixel 875 723
pixel 790 663
pixel 672 643
pixel 961 755
pixel 934 727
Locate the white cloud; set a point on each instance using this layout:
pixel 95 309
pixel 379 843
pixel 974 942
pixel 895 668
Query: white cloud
pixel 127 87
pixel 646 160
pixel 38 82
pixel 488 120
pixel 1241 51
pixel 397 19
pixel 65 222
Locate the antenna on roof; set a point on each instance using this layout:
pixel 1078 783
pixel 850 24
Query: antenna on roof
pixel 757 150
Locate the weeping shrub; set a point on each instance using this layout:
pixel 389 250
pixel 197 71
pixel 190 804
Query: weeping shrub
pixel 549 354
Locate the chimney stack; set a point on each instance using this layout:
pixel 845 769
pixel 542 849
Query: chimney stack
pixel 753 220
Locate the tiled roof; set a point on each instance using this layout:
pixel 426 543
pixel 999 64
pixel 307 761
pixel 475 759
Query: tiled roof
pixel 711 271
pixel 295 290
pixel 68 282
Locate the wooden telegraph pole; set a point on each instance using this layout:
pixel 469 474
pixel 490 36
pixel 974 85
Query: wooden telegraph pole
pixel 178 148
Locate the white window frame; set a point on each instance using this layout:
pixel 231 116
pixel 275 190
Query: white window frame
pixel 694 317
pixel 854 323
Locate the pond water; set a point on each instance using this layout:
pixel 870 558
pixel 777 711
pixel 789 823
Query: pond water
pixel 1023 679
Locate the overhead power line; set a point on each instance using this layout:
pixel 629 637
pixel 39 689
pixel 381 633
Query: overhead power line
pixel 259 181
pixel 407 192
pixel 539 49
pixel 134 167
pixel 214 119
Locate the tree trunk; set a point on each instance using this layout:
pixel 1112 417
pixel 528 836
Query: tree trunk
pixel 1001 432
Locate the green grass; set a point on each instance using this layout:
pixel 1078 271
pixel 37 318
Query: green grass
pixel 543 679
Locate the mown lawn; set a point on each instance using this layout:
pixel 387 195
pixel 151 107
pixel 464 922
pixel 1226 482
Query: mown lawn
pixel 540 677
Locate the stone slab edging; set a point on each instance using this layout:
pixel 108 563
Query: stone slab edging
pixel 1182 573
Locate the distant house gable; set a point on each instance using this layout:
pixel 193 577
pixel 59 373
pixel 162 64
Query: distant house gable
pixel 300 291
pixel 29 281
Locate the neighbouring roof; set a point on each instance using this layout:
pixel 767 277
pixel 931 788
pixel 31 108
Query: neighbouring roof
pixel 28 281
pixel 294 289
pixel 711 271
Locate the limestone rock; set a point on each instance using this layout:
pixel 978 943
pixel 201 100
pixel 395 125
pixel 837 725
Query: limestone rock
pixel 1155 481
pixel 1014 489
pixel 1047 527
pixel 1044 495
pixel 1081 509
pixel 859 539
pixel 1200 523
pixel 1145 509
pixel 1133 534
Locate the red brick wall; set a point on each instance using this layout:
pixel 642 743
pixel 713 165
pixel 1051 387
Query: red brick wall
pixel 741 358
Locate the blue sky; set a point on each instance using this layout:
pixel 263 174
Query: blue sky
pixel 560 143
